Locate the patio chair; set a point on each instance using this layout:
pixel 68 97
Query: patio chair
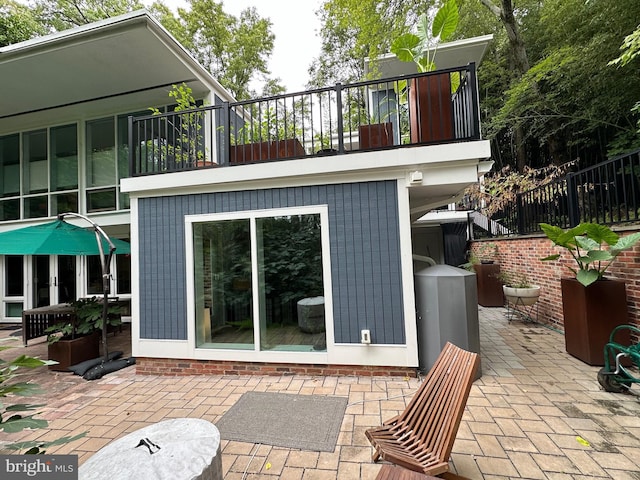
pixel 421 437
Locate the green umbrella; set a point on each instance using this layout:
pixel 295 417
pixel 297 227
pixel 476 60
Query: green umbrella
pixel 56 238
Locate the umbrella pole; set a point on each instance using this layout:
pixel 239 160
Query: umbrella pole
pixel 105 261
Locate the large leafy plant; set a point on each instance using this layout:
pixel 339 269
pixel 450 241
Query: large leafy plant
pixel 87 319
pixel 594 247
pixel 12 417
pixel 421 47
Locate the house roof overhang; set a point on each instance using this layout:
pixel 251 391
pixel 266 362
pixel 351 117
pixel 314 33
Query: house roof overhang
pixel 449 55
pixel 110 59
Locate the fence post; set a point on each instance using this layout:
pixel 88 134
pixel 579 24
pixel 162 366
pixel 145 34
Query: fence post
pixel 226 128
pixel 131 144
pixel 572 201
pixel 340 120
pixel 475 102
pixel 520 214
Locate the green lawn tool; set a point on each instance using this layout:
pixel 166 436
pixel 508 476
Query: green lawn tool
pixel 615 376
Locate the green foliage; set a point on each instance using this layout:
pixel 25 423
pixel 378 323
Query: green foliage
pixel 422 48
pixel 88 319
pixel 186 143
pixel 18 23
pixel 630 48
pixel 594 248
pixel 514 279
pixel 235 50
pixel 60 15
pixel 12 418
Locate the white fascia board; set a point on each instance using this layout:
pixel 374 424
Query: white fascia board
pixel 386 164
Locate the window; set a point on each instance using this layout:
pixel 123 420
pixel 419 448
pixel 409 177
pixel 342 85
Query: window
pixel 260 279
pixel 101 165
pixel 64 169
pixel 10 177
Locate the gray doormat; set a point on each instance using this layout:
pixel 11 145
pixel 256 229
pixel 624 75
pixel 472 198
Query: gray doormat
pixel 306 422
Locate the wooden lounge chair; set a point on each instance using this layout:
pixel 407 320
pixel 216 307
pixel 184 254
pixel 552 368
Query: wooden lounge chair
pixel 421 437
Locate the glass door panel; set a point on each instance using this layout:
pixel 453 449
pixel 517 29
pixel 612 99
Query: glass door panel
pixel 65 282
pixel 291 305
pixel 224 314
pixel 13 294
pixel 41 280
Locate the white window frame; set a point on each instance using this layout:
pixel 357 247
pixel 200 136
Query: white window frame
pixel 256 354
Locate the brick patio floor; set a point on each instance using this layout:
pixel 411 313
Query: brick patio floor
pixel 536 413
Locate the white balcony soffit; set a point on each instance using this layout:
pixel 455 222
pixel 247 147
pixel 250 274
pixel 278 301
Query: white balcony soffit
pixel 131 53
pixel 449 55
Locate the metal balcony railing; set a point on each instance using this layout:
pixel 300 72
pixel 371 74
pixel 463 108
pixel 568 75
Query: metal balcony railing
pixel 421 109
pixel 607 193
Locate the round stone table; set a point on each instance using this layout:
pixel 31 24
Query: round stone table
pixel 177 449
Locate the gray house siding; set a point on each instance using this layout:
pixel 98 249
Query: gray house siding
pixel 364 249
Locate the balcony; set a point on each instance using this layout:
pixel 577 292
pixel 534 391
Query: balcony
pixel 399 112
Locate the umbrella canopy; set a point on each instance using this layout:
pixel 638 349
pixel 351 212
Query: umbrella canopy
pixel 56 238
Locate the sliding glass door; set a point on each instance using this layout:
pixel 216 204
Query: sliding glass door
pixel 259 283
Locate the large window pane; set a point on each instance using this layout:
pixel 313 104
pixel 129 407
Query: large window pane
pixel 64 202
pixel 101 153
pixel 290 280
pixel 10 209
pixel 224 317
pixel 94 275
pixel 35 162
pixel 101 200
pixel 14 276
pixel 10 166
pixel 64 158
pixel 36 207
pixel 123 269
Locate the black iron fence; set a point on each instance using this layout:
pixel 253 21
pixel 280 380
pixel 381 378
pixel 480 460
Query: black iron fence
pixel 421 109
pixel 607 193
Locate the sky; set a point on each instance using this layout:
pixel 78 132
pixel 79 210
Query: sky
pixel 296 28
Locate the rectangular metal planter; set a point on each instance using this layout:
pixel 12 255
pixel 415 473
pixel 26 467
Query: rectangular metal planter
pixel 590 314
pixel 71 352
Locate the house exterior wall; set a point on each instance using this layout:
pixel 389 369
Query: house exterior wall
pixel 523 255
pixel 364 251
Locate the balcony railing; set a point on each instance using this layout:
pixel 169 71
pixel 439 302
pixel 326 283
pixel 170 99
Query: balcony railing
pixel 606 193
pixel 421 109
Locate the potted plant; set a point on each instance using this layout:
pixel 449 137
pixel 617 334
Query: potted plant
pixel 78 339
pixel 429 96
pixel 517 289
pixel 592 304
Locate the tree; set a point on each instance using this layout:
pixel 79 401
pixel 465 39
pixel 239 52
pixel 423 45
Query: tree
pixel 17 23
pixel 547 95
pixel 234 50
pixel 60 15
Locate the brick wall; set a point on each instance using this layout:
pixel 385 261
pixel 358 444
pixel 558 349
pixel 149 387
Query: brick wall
pixel 523 255
pixel 168 366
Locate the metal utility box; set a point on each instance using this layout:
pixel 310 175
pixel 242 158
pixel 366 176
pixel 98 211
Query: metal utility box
pixel 447 311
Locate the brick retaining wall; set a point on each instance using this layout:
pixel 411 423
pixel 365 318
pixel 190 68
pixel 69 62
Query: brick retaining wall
pixel 168 366
pixel 523 255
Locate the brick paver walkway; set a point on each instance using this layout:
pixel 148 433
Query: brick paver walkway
pixel 536 413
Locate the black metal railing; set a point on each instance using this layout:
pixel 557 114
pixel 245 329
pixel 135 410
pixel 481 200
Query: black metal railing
pixel 607 193
pixel 421 109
